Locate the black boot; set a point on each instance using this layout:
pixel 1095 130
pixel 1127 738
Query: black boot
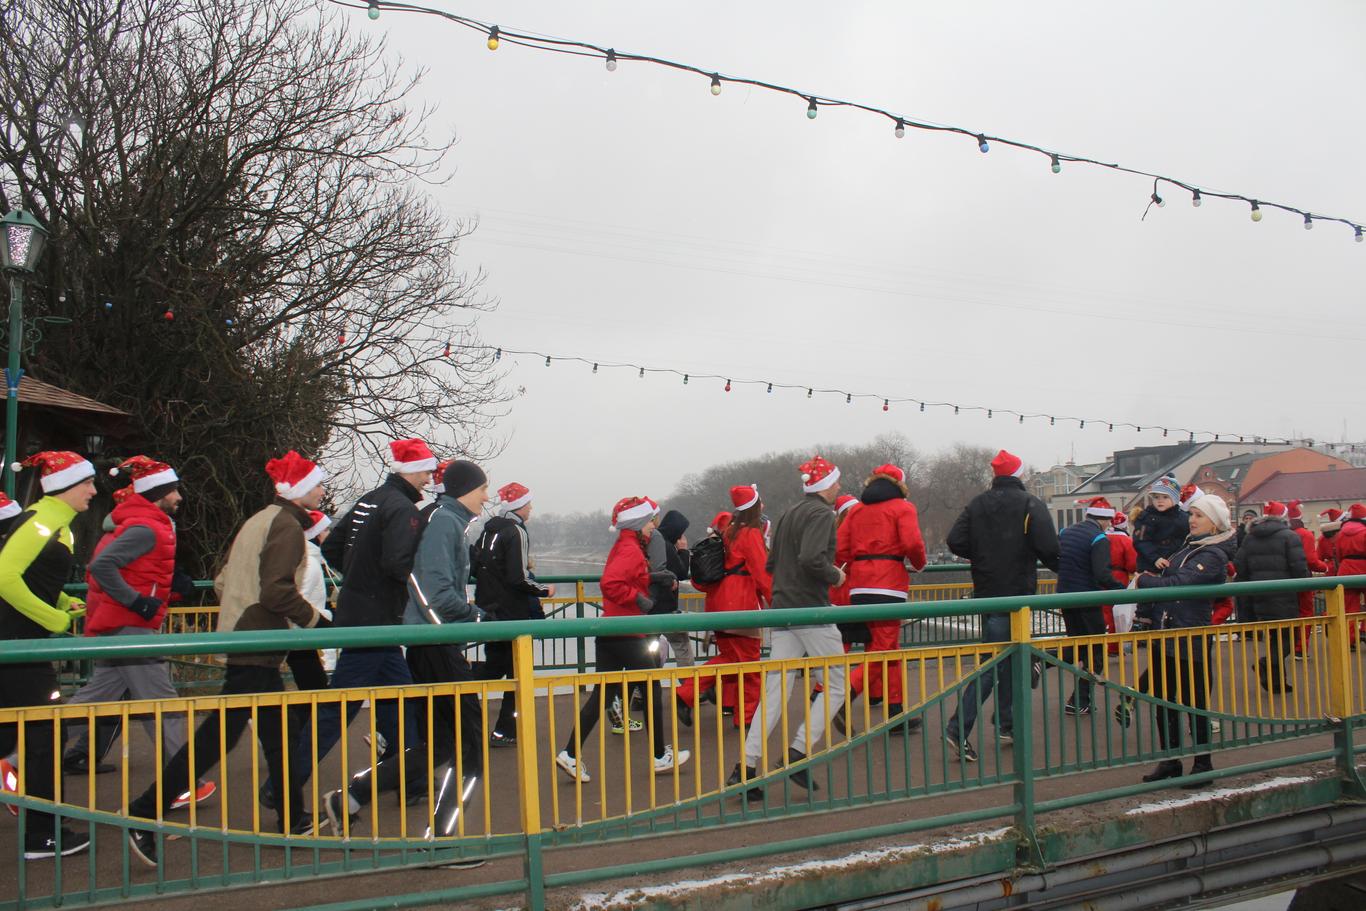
pixel 755 794
pixel 801 777
pixel 899 721
pixel 1201 764
pixel 1167 768
pixel 684 711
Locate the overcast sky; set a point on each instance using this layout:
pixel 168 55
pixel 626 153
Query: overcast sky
pixel 633 216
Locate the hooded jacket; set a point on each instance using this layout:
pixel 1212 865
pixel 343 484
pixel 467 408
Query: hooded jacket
pixel 373 547
pixel 1005 531
pixel 1271 550
pixel 877 539
pixel 663 555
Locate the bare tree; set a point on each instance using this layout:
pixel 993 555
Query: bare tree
pixel 238 232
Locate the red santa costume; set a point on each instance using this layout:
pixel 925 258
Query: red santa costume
pixel 874 543
pixel 1330 521
pixel 1351 556
pixel 1123 564
pixel 1316 565
pixel 746 586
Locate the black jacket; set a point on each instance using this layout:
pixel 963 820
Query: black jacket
pixel 1271 550
pixel 1201 561
pixel 663 549
pixel 1005 531
pixel 373 548
pixel 1159 534
pixel 503 582
pixel 1084 559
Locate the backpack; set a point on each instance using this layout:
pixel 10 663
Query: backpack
pixel 707 561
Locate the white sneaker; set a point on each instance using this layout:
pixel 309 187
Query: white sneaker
pixel 1214 727
pixel 573 768
pixel 670 760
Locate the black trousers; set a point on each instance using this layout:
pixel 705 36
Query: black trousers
pixel 620 653
pixel 497 665
pixel 23 685
pixel 1278 641
pixel 1084 621
pixel 241 679
pixel 1183 680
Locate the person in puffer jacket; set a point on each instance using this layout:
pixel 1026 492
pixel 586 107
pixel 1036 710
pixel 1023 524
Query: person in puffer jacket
pixel 1271 551
pixel 1159 531
pixel 875 544
pixel 1183 675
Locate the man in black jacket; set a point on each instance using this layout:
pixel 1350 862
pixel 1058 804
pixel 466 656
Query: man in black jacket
pixel 1084 566
pixel 506 588
pixel 1005 532
pixel 373 547
pixel 1272 550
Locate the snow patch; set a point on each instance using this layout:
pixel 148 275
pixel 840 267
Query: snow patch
pixel 627 898
pixel 1177 803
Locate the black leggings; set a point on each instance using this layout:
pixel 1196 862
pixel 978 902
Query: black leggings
pixel 621 653
pixel 1183 681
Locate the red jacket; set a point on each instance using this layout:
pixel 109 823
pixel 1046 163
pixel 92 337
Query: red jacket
pixel 149 574
pixel 1328 552
pixel 874 542
pixel 625 576
pixel 741 591
pixel 1351 548
pixel 1311 550
pixel 1123 556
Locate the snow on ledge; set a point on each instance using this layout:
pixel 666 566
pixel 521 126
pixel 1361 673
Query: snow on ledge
pixel 1200 797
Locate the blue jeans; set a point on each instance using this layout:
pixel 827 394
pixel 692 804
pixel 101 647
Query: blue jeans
pixel 995 628
pixel 356 667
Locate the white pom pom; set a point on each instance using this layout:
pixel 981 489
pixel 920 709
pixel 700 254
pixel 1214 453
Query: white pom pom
pixel 114 472
pixel 281 487
pixel 806 478
pixel 16 467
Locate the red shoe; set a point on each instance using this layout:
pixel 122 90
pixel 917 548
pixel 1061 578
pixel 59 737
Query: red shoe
pixel 9 781
pixel 201 793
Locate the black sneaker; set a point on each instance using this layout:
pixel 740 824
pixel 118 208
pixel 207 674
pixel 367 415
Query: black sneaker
pixel 303 826
pixel 684 712
pixel 143 845
pixel 1035 674
pixel 1124 712
pixel 38 846
pixel 801 777
pixel 78 765
pixel 754 794
pixel 1071 708
pixel 961 748
pixel 499 739
pixel 333 803
pixel 266 796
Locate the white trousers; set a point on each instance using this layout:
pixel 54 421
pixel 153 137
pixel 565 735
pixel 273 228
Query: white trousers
pixel 808 641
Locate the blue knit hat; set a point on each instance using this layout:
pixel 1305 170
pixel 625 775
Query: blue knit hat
pixel 1167 486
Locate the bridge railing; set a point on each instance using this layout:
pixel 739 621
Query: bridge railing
pixel 1164 696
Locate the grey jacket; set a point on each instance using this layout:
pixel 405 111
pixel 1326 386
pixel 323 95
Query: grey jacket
pixel 802 560
pixel 441 569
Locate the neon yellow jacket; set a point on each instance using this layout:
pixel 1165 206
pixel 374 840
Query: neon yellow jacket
pixel 49 523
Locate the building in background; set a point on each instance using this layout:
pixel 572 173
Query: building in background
pixel 1336 487
pixel 1230 477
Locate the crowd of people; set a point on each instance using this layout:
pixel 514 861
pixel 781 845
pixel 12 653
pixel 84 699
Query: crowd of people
pixel 400 562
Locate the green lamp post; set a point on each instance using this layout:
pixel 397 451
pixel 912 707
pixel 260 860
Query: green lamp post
pixel 22 238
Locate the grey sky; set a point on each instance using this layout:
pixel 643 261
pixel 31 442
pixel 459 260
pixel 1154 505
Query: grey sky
pixel 634 216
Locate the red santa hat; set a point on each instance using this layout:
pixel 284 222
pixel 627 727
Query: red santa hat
pixel 8 508
pixel 1188 494
pixel 1099 507
pixel 1293 510
pixel 1356 511
pixel 437 476
pixel 1331 514
pixel 319 524
pixel 720 523
pixel 121 495
pixel 146 473
pixel 294 476
pixel 844 502
pixel 1119 524
pixel 743 496
pixel 632 513
pixel 1274 510
pixel 1006 465
pixel 654 507
pixel 512 497
pixel 890 471
pixel 411 456
pixel 60 470
pixel 818 475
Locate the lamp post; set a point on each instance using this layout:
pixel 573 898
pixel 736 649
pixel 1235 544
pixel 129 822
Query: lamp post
pixel 22 238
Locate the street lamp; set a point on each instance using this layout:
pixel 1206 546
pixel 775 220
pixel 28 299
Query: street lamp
pixel 21 243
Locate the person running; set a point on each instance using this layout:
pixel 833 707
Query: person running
pixel 35 563
pixel 258 589
pixel 9 511
pixel 745 586
pixel 802 563
pixel 1006 532
pixel 129 579
pixel 668 550
pixel 625 593
pixel 1159 532
pixel 876 543
pixel 1084 566
pixel 505 588
pixel 436 595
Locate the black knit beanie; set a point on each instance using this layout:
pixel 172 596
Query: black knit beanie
pixel 461 477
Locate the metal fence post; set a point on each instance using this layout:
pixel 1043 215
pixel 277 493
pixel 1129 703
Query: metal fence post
pixel 582 643
pixel 1341 690
pixel 1029 853
pixel 523 674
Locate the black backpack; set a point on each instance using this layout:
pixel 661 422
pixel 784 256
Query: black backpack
pixel 707 563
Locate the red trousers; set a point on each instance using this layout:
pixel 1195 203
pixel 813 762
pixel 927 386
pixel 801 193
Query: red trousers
pixel 885 638
pixel 730 650
pixel 1303 632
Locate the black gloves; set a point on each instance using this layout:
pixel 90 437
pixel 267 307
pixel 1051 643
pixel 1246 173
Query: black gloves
pixel 146 607
pixel 644 604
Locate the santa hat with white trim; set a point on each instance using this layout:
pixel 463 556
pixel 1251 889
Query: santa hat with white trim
pixel 1332 516
pixel 1007 465
pixel 294 476
pixel 818 475
pixel 1120 524
pixel 1355 511
pixel 891 472
pixel 1294 511
pixel 319 523
pixel 60 470
pixel 148 475
pixel 632 513
pixel 512 497
pixel 844 502
pixel 411 457
pixel 1189 494
pixel 8 508
pixel 1098 507
pixel 1274 510
pixel 439 476
pixel 743 496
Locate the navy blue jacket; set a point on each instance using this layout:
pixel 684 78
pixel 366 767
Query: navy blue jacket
pixel 1159 534
pixel 1271 550
pixel 1202 561
pixel 1084 559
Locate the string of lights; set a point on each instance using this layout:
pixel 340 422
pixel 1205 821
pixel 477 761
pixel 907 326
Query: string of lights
pixel 495 37
pixel 727 383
